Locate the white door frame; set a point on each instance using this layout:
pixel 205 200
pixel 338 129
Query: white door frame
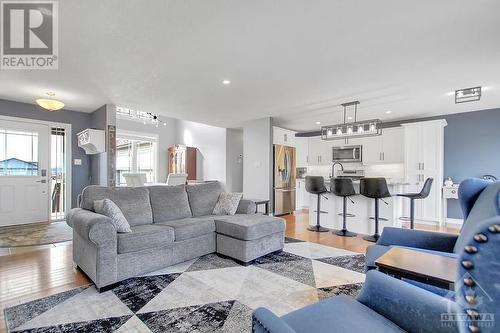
pixel 68 141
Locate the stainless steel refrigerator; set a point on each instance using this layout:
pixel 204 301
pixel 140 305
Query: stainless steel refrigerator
pixel 284 179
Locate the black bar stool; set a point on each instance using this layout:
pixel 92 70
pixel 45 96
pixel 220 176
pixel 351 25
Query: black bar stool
pixel 343 187
pixel 375 188
pixel 316 185
pixel 424 193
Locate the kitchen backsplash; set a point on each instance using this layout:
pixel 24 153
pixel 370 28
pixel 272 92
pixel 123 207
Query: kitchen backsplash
pixel 392 171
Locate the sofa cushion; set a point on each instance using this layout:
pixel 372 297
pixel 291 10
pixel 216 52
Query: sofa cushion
pixel 248 226
pixel 203 197
pixel 146 236
pixel 132 201
pixel 486 206
pixel 191 227
pixel 342 313
pixel 169 203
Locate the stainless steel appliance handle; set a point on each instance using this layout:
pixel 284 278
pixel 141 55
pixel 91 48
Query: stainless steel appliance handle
pixel 285 190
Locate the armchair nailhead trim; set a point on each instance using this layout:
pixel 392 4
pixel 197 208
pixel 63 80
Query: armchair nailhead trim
pixel 471 249
pixel 467 264
pixel 469 282
pixel 473 314
pixel 471 299
pixel 495 228
pixel 480 238
pixel 474 329
pixel 255 320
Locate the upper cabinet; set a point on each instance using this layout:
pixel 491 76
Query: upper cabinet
pixel 386 148
pixel 302 151
pixel 283 136
pixel 320 151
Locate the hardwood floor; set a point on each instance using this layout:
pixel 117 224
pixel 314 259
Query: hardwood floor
pixel 29 273
pixel 298 222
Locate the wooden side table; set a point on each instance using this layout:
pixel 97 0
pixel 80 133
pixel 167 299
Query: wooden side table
pixel 432 269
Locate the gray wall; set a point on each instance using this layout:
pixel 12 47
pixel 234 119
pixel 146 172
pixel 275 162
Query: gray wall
pixel 234 160
pixel 471 148
pixel 257 159
pixel 78 121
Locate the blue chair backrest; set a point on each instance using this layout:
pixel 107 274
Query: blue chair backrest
pixel 477 287
pixel 480 200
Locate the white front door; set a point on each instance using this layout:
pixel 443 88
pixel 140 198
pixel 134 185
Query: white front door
pixel 24 161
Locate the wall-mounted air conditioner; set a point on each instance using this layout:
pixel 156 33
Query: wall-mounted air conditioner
pixel 92 141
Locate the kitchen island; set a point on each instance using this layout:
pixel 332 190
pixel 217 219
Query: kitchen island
pixel 363 208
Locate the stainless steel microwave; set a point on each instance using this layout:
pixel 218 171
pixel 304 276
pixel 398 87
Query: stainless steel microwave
pixel 348 154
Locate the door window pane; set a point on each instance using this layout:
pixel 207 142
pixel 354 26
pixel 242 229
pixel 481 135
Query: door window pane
pixel 18 153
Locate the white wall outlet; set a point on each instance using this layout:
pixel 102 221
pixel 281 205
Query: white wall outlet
pixel 78 161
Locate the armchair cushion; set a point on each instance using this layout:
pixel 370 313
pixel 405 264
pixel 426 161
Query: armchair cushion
pixel 486 206
pixel 429 240
pixel 264 321
pixel 338 314
pixel 411 308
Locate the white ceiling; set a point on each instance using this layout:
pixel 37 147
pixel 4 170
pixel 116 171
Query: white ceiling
pixel 294 60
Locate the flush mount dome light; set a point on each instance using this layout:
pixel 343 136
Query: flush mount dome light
pixel 467 95
pixel 226 82
pixel 50 103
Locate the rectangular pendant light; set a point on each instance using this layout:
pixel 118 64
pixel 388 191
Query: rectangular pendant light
pixel 357 129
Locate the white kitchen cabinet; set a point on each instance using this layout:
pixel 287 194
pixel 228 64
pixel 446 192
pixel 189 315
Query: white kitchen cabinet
pixel 320 151
pixel 301 195
pixel 283 136
pixel 393 145
pixel 314 144
pixel 302 151
pixel 424 158
pixel 385 148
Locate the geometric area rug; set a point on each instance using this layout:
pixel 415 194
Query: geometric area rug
pixel 207 294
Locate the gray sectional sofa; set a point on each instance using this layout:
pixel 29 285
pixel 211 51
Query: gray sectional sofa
pixel 170 224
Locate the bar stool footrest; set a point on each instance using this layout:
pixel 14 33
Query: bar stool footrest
pixel 347 215
pixel 380 219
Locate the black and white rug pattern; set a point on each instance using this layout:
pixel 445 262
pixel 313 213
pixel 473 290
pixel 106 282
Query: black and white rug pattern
pixel 208 294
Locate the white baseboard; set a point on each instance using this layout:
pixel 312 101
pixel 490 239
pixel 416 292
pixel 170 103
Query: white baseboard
pixel 450 220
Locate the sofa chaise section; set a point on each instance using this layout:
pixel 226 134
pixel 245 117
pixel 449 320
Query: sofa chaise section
pixel 170 224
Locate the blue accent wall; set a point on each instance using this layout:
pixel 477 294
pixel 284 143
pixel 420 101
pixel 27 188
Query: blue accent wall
pixel 78 121
pixel 471 148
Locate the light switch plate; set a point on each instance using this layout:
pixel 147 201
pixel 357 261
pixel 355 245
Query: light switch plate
pixel 78 161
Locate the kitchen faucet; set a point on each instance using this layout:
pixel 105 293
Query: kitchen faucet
pixel 333 168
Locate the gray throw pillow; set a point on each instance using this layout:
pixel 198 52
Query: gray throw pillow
pixel 110 209
pixel 227 204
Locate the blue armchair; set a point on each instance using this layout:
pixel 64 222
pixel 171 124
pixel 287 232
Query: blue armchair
pixel 479 200
pixel 386 304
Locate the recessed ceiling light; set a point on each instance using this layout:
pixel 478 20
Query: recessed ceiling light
pixel 318 123
pixel 226 82
pixel 388 111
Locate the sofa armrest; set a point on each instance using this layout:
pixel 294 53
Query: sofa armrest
pixel 264 321
pixel 246 206
pixel 91 226
pixel 429 240
pixel 410 307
